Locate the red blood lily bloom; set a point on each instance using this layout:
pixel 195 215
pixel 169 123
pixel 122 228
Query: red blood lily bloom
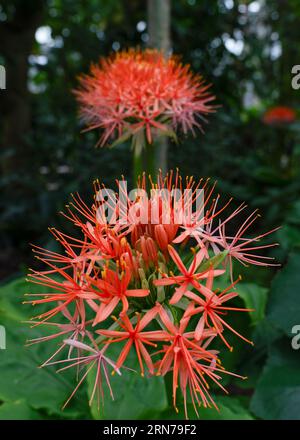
pixel 113 288
pixel 190 362
pixel 135 91
pixel 69 289
pixel 134 335
pixel 212 308
pixel 188 277
pixel 279 115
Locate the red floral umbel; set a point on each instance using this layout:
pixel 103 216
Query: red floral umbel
pixel 134 286
pixel 140 95
pixel 279 115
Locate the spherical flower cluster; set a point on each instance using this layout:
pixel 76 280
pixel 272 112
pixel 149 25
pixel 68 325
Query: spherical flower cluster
pixel 146 286
pixel 279 115
pixel 141 95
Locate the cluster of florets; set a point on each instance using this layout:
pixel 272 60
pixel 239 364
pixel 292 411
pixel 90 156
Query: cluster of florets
pixel 140 95
pixel 141 287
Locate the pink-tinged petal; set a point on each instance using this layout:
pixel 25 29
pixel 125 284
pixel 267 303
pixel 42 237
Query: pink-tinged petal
pixel 125 304
pixel 197 260
pixel 179 292
pixel 105 310
pixel 164 282
pixel 186 317
pixel 80 345
pixel 228 296
pixel 166 320
pixel 137 292
pixel 148 317
pixel 112 333
pixel 200 327
pixel 181 237
pixel 126 321
pixel 177 260
pixel 210 280
pixel 166 363
pixel 157 335
pixel 146 357
pixel 87 296
pixel 208 293
pixel 124 353
pixel 194 297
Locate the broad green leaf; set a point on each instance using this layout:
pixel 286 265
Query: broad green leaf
pixel 135 397
pixel 254 297
pixel 277 395
pixel 230 408
pixel 12 296
pixel 289 236
pixel 22 379
pixel 18 410
pixel 284 301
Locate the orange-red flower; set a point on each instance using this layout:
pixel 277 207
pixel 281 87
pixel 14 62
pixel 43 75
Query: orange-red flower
pixel 139 271
pixel 133 92
pixel 135 336
pixel 212 310
pixel 113 288
pixel 188 277
pixel 279 115
pixel 190 362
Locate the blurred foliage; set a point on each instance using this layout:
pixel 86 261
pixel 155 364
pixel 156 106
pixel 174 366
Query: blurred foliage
pixel 246 49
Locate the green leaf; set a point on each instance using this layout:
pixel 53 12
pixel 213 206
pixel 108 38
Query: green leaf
pixel 213 262
pixel 277 395
pixel 284 303
pixel 230 408
pixel 254 297
pixel 288 236
pixel 22 379
pixel 18 410
pixel 12 298
pixel 135 397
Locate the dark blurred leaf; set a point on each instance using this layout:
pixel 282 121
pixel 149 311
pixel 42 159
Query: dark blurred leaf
pixel 284 302
pixel 230 408
pixel 21 378
pixel 254 297
pixel 18 410
pixel 277 396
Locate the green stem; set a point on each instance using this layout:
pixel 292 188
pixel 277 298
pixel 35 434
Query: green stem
pixel 145 161
pixel 168 378
pixel 137 167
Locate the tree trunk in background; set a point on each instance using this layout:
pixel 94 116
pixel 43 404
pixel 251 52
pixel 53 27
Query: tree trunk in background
pixel 159 24
pixel 17 39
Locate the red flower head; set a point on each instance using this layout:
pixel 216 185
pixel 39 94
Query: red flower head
pixel 136 284
pixel 135 93
pixel 279 115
